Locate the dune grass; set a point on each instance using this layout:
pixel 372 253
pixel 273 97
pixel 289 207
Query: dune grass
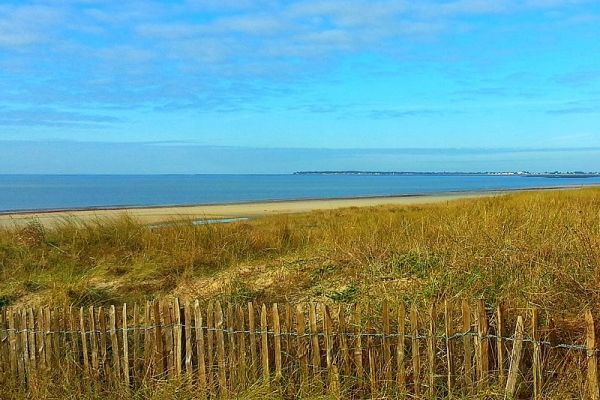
pixel 534 247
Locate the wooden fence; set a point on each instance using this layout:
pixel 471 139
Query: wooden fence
pixel 344 351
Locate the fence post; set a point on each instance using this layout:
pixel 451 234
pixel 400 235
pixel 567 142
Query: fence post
pixel 31 338
pixel 537 356
pixel 102 329
pixel 387 356
pixel 243 375
pixel 315 351
pixel 148 342
pixel 21 363
pixel 416 356
pixel 97 337
pixel 431 349
pixel 482 343
pixel 187 314
pixel 221 350
pixel 289 350
pixel 84 348
pixel 277 342
pixel 114 343
pixel 136 343
pixel 22 347
pixel 25 346
pixel 200 350
pixel 41 344
pixel 345 352
pixel 48 339
pixel 53 315
pixel 264 348
pixel 400 350
pixel 232 356
pixel 302 348
pixel 168 328
pixel 159 356
pixel 371 357
pixel 253 343
pixel 126 376
pixel 210 334
pixel 67 341
pixel 66 345
pixel 449 331
pixel 358 360
pixel 500 342
pixel 16 345
pixel 467 345
pixel 93 341
pixel 592 358
pixel 177 336
pixel 333 379
pixel 515 360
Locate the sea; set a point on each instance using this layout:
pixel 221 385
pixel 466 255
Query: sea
pixel 64 192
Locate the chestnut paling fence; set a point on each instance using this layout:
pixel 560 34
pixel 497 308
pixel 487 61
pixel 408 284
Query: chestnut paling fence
pixel 439 350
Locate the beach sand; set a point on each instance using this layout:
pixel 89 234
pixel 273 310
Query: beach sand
pixel 153 215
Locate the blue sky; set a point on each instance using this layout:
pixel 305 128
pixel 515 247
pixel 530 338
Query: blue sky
pixel 273 86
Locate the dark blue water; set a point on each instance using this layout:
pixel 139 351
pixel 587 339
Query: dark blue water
pixel 36 192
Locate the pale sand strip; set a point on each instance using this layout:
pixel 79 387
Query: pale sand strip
pixel 152 215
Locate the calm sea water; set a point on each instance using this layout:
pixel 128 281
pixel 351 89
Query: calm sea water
pixel 42 192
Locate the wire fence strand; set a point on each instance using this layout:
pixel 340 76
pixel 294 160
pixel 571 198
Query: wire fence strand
pixel 458 335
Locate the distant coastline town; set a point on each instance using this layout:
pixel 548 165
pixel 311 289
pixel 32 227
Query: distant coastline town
pixel 554 174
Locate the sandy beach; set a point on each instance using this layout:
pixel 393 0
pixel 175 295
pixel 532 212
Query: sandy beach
pixel 159 214
pixel 152 215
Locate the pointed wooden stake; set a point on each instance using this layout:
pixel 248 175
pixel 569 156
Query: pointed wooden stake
pixel 515 361
pixel 592 357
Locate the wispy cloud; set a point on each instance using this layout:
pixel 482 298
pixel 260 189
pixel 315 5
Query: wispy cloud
pixel 591 106
pixel 48 117
pixel 575 110
pixel 406 113
pixel 578 78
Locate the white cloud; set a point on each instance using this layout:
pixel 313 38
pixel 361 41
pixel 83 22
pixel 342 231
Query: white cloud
pixel 22 26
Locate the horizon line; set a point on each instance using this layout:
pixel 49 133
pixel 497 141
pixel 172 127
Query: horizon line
pixel 177 143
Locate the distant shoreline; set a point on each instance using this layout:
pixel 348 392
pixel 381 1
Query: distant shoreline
pixel 162 213
pixel 523 174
